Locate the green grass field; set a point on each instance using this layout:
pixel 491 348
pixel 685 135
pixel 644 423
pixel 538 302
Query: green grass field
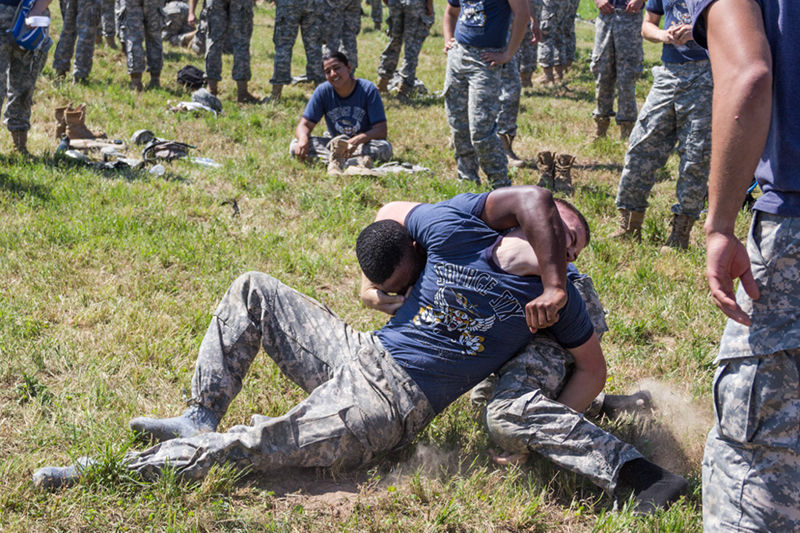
pixel 108 280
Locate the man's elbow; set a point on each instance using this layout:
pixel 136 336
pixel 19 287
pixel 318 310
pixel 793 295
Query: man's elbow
pixel 754 82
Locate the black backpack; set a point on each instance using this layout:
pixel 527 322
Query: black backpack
pixel 191 77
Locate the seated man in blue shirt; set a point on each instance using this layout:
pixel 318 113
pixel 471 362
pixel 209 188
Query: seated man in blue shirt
pixel 354 115
pixel 370 393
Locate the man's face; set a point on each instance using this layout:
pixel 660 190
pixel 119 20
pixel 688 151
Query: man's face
pixel 404 276
pixel 574 232
pixel 336 72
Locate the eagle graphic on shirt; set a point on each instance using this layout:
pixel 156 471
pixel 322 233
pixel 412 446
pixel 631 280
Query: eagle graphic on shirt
pixel 452 315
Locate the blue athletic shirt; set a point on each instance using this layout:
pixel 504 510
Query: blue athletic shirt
pixel 675 13
pixel 465 317
pixel 778 172
pixel 482 23
pixel 349 116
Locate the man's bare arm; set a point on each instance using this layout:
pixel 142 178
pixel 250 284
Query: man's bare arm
pixel 303 134
pixel 449 21
pixel 742 66
pixel 522 16
pixel 588 378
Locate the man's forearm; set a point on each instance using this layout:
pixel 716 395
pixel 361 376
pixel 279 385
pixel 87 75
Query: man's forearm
pixel 522 17
pixel 449 21
pixel 588 378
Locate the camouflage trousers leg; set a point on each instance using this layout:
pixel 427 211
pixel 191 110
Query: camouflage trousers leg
pixel 312 34
pixel 343 26
pixel 528 51
pixel 417 27
pixel 380 150
pixel 240 32
pixel 107 18
pixel 617 63
pixel 387 64
pixel 287 20
pixel 86 26
pixel 553 14
pixel 141 23
pixel 677 109
pixel 376 11
pixel 470 99
pixel 751 466
pixel 361 403
pixel 19 70
pixel 510 90
pixel 569 29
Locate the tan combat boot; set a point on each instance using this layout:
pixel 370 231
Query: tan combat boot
pixel 383 85
pixel 625 129
pixel 547 77
pixel 630 225
pixel 212 86
pixel 136 82
pixel 559 73
pixel 76 125
pixel 679 236
pixel 339 149
pixel 602 126
pixel 243 96
pixel 545 162
pixel 61 122
pixel 563 175
pixel 275 95
pixel 525 78
pixel 508 140
pixel 155 80
pixel 20 140
pixel 110 42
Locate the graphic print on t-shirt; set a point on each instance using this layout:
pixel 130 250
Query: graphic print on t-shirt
pixel 347 119
pixel 473 13
pixel 680 14
pixel 454 316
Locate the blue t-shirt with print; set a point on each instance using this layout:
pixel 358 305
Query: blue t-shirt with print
pixel 482 23
pixel 357 113
pixel 675 13
pixel 465 317
pixel 778 172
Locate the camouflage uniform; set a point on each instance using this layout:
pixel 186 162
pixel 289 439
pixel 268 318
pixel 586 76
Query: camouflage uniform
pixel 751 466
pixel 380 150
pixel 141 21
pixel 678 108
pixel 308 16
pixel 342 24
pixel 510 91
pixel 77 34
pixel 107 18
pixel 617 62
pixel 569 31
pixel 228 19
pixel 471 87
pixel 361 403
pixel 376 12
pixel 523 416
pixel 409 25
pixel 527 51
pixel 557 18
pixel 18 72
pixel 176 26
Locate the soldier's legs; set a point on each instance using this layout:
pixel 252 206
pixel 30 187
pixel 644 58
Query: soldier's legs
pixel 510 89
pixel 218 18
pixel 66 41
pixel 311 30
pixel 107 18
pixel 318 148
pixel 391 54
pixel 603 66
pixel 287 20
pixel 376 12
pixel 484 86
pixel 24 68
pixel 456 106
pixel 651 142
pixel 132 31
pixel 153 25
pixel 351 26
pixel 693 109
pixel 380 150
pixel 415 31
pixel 241 24
pixel 86 29
pixel 629 56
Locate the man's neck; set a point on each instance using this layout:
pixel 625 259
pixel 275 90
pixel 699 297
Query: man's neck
pixel 346 90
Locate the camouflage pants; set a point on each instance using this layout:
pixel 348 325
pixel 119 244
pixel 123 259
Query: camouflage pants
pixel 141 22
pixel 527 51
pixel 380 150
pixel 570 31
pixel 409 26
pixel 289 16
pixel 342 24
pixel 360 403
pixel 523 416
pixel 19 70
pixel 106 16
pixel 557 24
pixel 510 90
pixel 77 34
pixel 617 62
pixel 471 87
pixel 677 109
pixel 233 19
pixel 376 11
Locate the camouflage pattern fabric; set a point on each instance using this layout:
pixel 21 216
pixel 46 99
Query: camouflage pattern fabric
pixel 523 416
pixel 229 19
pixel 558 20
pixel 678 108
pixel 289 16
pixel 510 91
pixel 569 29
pixel 19 70
pixel 176 14
pixel 617 63
pixel 409 26
pixel 107 18
pixel 380 150
pixel 342 24
pixel 376 11
pixel 141 22
pixel 77 35
pixel 361 403
pixel 527 51
pixel 471 87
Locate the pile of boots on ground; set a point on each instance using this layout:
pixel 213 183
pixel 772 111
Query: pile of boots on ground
pixel 555 171
pixel 72 122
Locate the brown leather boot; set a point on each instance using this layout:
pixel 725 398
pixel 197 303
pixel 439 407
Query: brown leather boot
pixel 212 86
pixel 630 225
pixel 602 126
pixel 276 94
pixel 559 73
pixel 508 140
pixel 61 123
pixel 136 82
pixel 383 85
pixel 545 162
pixel 110 42
pixel 679 236
pixel 563 174
pixel 76 125
pixel 339 149
pixel 155 80
pixel 525 78
pixel 243 96
pixel 547 77
pixel 20 139
pixel 625 129
pixel 98 38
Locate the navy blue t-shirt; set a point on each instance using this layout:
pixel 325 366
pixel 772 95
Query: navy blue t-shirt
pixel 349 116
pixel 465 317
pixel 778 172
pixel 675 13
pixel 482 23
